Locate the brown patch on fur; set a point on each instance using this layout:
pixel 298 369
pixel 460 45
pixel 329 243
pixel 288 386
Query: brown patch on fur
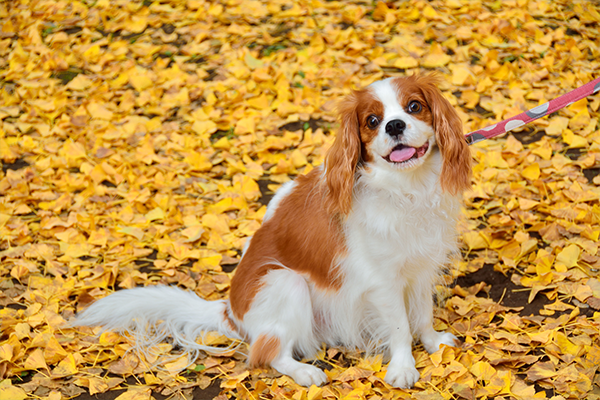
pixel 438 112
pixel 410 89
pixel 350 148
pixel 368 105
pixel 263 350
pixel 301 235
pixel 231 323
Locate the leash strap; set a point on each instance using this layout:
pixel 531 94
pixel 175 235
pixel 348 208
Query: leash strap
pixel 509 124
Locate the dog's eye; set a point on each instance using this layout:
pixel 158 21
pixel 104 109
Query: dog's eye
pixel 414 107
pixel 372 121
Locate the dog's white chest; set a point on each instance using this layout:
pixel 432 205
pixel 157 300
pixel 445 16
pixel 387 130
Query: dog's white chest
pixel 387 237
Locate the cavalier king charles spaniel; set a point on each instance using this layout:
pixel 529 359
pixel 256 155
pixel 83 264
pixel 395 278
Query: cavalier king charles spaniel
pixel 347 255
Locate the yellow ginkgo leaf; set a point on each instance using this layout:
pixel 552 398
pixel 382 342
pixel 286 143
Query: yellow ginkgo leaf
pixel 569 256
pixel 10 392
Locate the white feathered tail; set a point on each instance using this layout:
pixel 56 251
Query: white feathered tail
pixel 154 313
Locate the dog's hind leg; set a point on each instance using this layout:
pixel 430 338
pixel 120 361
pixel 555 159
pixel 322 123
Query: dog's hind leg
pixel 280 323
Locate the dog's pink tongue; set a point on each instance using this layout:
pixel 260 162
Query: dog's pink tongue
pixel 403 154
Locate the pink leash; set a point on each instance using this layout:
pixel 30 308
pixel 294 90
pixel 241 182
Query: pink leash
pixel 531 115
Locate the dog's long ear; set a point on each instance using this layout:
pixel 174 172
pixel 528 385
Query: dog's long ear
pixel 456 157
pixel 342 159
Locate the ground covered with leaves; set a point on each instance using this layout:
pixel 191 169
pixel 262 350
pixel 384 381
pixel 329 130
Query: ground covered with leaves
pixel 140 142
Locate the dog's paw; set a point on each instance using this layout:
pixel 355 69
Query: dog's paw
pixel 433 343
pixel 401 376
pixel 307 375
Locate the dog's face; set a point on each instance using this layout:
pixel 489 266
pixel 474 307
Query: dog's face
pixel 400 134
pixel 396 124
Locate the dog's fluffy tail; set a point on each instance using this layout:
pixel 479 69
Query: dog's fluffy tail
pixel 154 313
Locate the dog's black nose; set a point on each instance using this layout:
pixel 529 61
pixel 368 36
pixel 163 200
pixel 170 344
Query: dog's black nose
pixel 395 127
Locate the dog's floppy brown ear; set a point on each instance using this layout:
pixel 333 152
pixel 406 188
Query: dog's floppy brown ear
pixel 342 158
pixel 456 165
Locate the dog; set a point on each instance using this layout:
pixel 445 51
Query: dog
pixel 348 254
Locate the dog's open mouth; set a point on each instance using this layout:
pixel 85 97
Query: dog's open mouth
pixel 403 153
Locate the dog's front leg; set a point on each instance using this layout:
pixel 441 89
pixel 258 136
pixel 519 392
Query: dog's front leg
pixel 401 370
pixel 421 317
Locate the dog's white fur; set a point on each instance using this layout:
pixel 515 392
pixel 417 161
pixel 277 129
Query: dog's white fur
pixel 399 235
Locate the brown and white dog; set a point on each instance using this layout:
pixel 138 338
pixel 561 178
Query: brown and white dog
pixel 346 255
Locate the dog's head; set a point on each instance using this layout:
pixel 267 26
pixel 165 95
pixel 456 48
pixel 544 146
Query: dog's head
pixel 396 124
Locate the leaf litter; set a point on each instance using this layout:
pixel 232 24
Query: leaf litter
pixel 139 141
